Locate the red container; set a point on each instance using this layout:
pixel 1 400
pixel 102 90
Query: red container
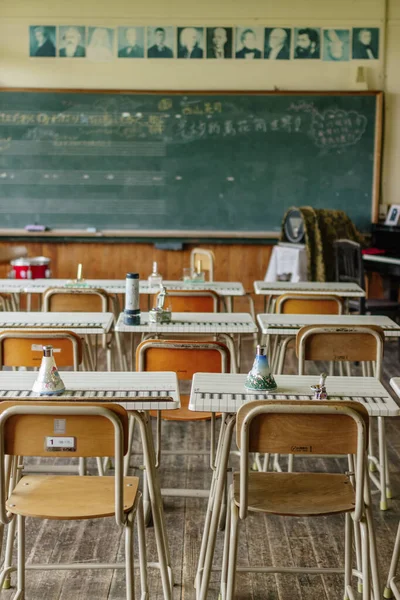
pixel 30 268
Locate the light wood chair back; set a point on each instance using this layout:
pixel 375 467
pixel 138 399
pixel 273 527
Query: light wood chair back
pixel 189 301
pixel 340 343
pixel 207 259
pixel 186 358
pixel 313 304
pixel 99 429
pixel 25 432
pixel 22 348
pixel 301 427
pixel 77 300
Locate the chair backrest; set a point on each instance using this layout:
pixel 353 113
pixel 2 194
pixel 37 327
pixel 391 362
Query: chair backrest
pixel 189 301
pixel 301 427
pixel 184 357
pixel 340 343
pixel 22 348
pixel 313 304
pixel 97 429
pixel 207 258
pixel 348 262
pixel 76 300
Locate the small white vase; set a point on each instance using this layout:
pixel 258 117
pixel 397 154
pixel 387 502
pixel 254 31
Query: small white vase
pixel 48 381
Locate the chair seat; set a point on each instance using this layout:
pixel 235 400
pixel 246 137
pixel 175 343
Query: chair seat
pixel 67 498
pixel 183 413
pixel 298 494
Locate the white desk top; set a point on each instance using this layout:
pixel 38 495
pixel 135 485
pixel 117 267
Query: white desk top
pixel 80 322
pixel 188 322
pixel 290 324
pixel 216 392
pixel 11 286
pixel 134 391
pixel 395 383
pixel 117 286
pixel 382 259
pixel 276 288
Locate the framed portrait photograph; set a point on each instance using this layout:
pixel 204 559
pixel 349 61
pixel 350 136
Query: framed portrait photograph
pixel 393 216
pixel 249 42
pixel 190 42
pixel 366 43
pixel 336 45
pixel 130 42
pixel 100 44
pixel 219 42
pixel 71 41
pixel 277 43
pixel 42 41
pixel 307 42
pixel 160 42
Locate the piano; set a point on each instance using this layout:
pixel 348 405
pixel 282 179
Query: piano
pixel 384 258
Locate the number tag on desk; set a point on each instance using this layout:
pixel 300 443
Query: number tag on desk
pixel 60 444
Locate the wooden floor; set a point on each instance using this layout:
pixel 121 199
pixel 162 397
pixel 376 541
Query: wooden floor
pixel 272 540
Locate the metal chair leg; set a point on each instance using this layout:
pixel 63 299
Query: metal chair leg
pixel 348 555
pixel 388 593
pixel 382 462
pixel 129 558
pixel 21 559
pixel 233 544
pixel 142 549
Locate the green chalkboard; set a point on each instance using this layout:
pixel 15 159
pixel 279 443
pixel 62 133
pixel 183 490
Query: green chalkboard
pixel 207 162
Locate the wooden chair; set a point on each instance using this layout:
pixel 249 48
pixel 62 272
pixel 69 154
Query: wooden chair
pixel 185 357
pixel 313 304
pixel 299 304
pixel 77 300
pixel 96 429
pixel 207 258
pixel 22 348
pixel 193 301
pixel 312 428
pixel 350 344
pixel 87 300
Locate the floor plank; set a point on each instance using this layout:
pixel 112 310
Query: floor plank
pixel 272 540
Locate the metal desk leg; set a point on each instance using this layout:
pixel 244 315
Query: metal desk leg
pixel 206 530
pixel 214 508
pixel 164 558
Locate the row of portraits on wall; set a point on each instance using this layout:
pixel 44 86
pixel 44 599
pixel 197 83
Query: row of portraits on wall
pixel 273 43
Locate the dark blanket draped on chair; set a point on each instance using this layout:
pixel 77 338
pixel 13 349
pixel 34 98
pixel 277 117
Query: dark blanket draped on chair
pixel 322 227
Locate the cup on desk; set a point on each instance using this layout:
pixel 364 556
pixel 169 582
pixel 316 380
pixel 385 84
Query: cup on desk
pixel 191 275
pixel 284 277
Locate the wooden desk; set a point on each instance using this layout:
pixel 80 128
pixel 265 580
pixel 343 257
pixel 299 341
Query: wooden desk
pixel 161 392
pixel 117 286
pixel 225 393
pixel 81 323
pixel 325 288
pixel 289 325
pixel 223 325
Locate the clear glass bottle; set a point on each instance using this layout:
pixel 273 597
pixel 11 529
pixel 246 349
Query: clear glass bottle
pixel 155 279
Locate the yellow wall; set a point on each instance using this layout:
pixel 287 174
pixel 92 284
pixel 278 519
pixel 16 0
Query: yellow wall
pixel 18 70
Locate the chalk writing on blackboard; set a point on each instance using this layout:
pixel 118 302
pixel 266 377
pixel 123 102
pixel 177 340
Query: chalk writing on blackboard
pixel 336 128
pixel 192 128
